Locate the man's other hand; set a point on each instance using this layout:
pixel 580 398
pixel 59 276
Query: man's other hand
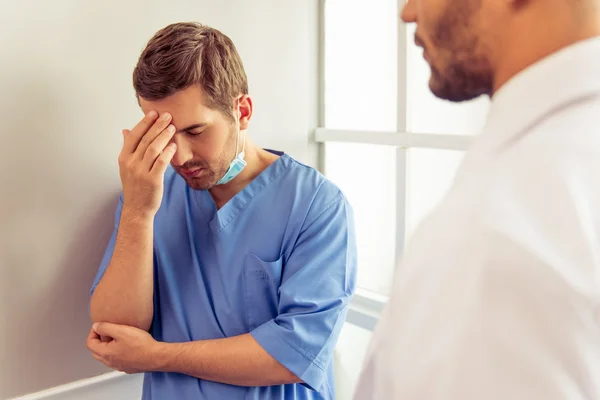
pixel 123 348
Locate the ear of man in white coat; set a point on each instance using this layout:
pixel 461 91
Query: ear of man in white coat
pixel 499 291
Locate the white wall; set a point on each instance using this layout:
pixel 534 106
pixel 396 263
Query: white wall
pixel 65 95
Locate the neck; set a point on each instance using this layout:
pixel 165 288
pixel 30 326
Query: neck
pixel 540 30
pixel 257 160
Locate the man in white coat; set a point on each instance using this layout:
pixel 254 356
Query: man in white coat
pixel 498 295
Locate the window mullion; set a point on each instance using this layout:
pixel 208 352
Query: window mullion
pixel 402 126
pixel 321 147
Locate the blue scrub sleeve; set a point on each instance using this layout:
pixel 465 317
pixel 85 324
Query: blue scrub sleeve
pixel 317 284
pixel 110 248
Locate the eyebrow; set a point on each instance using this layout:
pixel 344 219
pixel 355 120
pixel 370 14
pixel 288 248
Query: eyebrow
pixel 192 127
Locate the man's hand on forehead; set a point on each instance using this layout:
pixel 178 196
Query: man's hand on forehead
pixel 143 161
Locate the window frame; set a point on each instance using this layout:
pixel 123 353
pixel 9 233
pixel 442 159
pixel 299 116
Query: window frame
pixel 366 307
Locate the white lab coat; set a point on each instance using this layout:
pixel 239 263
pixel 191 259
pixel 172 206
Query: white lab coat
pixel 497 297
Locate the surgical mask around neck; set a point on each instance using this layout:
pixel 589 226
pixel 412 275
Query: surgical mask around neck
pixel 238 163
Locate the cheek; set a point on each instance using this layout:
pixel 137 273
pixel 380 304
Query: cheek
pixel 428 12
pixel 208 149
pixel 433 18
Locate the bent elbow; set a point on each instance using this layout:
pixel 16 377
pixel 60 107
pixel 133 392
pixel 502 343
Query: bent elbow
pixel 98 313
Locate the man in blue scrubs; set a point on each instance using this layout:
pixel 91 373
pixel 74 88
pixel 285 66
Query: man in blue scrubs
pixel 230 268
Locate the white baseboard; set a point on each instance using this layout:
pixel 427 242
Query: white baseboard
pixel 113 385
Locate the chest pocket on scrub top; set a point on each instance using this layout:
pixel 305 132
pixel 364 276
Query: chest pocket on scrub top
pixel 261 281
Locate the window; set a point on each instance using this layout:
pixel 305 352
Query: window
pixel 360 64
pixel 390 144
pixel 360 84
pixel 366 173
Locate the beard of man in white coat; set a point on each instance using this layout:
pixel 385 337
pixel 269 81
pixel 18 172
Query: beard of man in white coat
pixel 498 294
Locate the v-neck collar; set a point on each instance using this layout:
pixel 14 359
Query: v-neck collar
pixel 219 219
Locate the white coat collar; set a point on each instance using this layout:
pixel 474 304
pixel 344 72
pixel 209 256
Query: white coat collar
pixel 567 76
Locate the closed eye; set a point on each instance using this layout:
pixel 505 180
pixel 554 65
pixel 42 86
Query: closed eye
pixel 195 133
pixel 195 130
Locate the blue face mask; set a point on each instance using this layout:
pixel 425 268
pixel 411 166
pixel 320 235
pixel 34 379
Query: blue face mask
pixel 237 164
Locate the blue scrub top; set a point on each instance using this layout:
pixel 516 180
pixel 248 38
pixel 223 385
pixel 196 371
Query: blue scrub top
pixel 278 261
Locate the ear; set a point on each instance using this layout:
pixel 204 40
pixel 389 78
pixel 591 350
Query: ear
pixel 244 111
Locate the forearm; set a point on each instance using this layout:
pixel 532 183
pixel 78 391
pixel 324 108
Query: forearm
pixel 237 361
pixel 124 295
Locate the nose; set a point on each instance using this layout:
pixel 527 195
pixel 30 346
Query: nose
pixel 183 153
pixel 409 14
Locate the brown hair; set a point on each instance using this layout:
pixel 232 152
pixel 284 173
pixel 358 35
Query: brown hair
pixel 189 53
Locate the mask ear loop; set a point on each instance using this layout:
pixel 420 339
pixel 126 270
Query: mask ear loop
pixel 239 113
pixel 237 137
